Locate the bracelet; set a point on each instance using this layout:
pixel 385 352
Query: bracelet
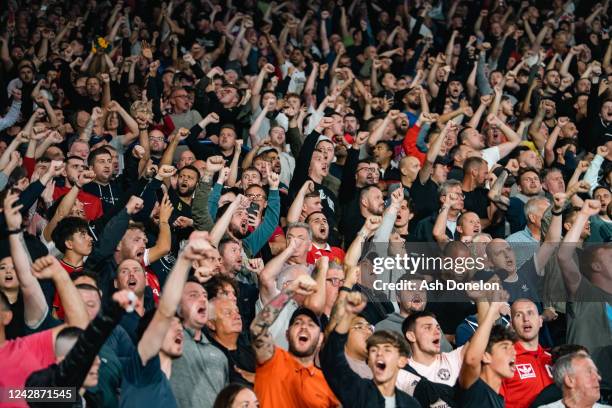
pixel 345 289
pixel 363 235
pixel 15 232
pixel 556 213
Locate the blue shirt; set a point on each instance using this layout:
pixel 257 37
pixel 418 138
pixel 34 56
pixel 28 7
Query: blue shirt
pixel 145 386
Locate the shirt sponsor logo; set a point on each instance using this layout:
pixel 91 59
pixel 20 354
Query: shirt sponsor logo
pixel 443 374
pixel 439 404
pixel 525 371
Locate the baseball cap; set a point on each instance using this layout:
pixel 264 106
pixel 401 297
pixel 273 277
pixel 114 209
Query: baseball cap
pixel 304 311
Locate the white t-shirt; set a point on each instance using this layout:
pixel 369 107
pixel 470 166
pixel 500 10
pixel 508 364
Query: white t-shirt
pixel 491 155
pixel 451 225
pixel 406 381
pixel 298 78
pixel 445 370
pixel 560 404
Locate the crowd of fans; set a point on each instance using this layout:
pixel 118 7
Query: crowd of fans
pixel 189 189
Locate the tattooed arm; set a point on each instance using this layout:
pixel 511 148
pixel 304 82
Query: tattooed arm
pixel 263 344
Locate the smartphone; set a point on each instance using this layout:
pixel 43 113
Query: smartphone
pixel 253 209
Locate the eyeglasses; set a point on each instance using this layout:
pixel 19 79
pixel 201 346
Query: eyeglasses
pixel 367 169
pixel 363 326
pixel 256 196
pixel 335 282
pixel 457 195
pixel 156 138
pixel 181 96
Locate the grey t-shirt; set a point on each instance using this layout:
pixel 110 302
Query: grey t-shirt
pixel 200 374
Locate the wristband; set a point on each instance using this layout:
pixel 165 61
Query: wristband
pixel 345 289
pixel 14 232
pixel 132 302
pixel 556 213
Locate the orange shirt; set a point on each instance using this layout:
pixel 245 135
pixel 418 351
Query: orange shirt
pixel 283 382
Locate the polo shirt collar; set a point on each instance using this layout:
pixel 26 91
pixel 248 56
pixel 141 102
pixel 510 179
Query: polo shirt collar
pixel 192 334
pixel 520 350
pixel 325 247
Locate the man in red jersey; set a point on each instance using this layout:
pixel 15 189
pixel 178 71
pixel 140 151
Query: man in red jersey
pixel 533 363
pixel 91 204
pixel 320 234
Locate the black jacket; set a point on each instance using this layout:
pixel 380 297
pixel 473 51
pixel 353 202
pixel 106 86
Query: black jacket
pixel 352 390
pixel 72 371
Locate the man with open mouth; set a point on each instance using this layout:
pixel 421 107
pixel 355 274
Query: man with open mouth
pixel 425 338
pixel 290 378
pixel 488 360
pixel 320 234
pixel 533 362
pixel 387 353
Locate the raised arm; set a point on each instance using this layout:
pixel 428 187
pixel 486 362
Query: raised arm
pixel 35 304
pixel 266 70
pixel 553 235
pixel 262 341
pixel 13 146
pixel 439 229
pixel 153 337
pixel 513 138
pixel 353 252
pixel 316 301
pixel 132 125
pixel 222 223
pixel 569 268
pixel 254 129
pixel 48 267
pixel 232 175
pixel 267 277
pixel 164 238
pixel 295 211
pixel 472 360
pixel 378 133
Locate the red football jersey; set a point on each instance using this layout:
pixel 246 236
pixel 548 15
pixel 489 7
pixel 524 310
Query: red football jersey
pixel 533 374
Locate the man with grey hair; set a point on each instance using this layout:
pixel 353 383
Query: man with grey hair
pixel 525 242
pixel 579 379
pixel 225 332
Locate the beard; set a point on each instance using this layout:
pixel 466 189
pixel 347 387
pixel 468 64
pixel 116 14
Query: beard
pixel 414 104
pixel 237 233
pixel 306 353
pixel 185 193
pixel 377 211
